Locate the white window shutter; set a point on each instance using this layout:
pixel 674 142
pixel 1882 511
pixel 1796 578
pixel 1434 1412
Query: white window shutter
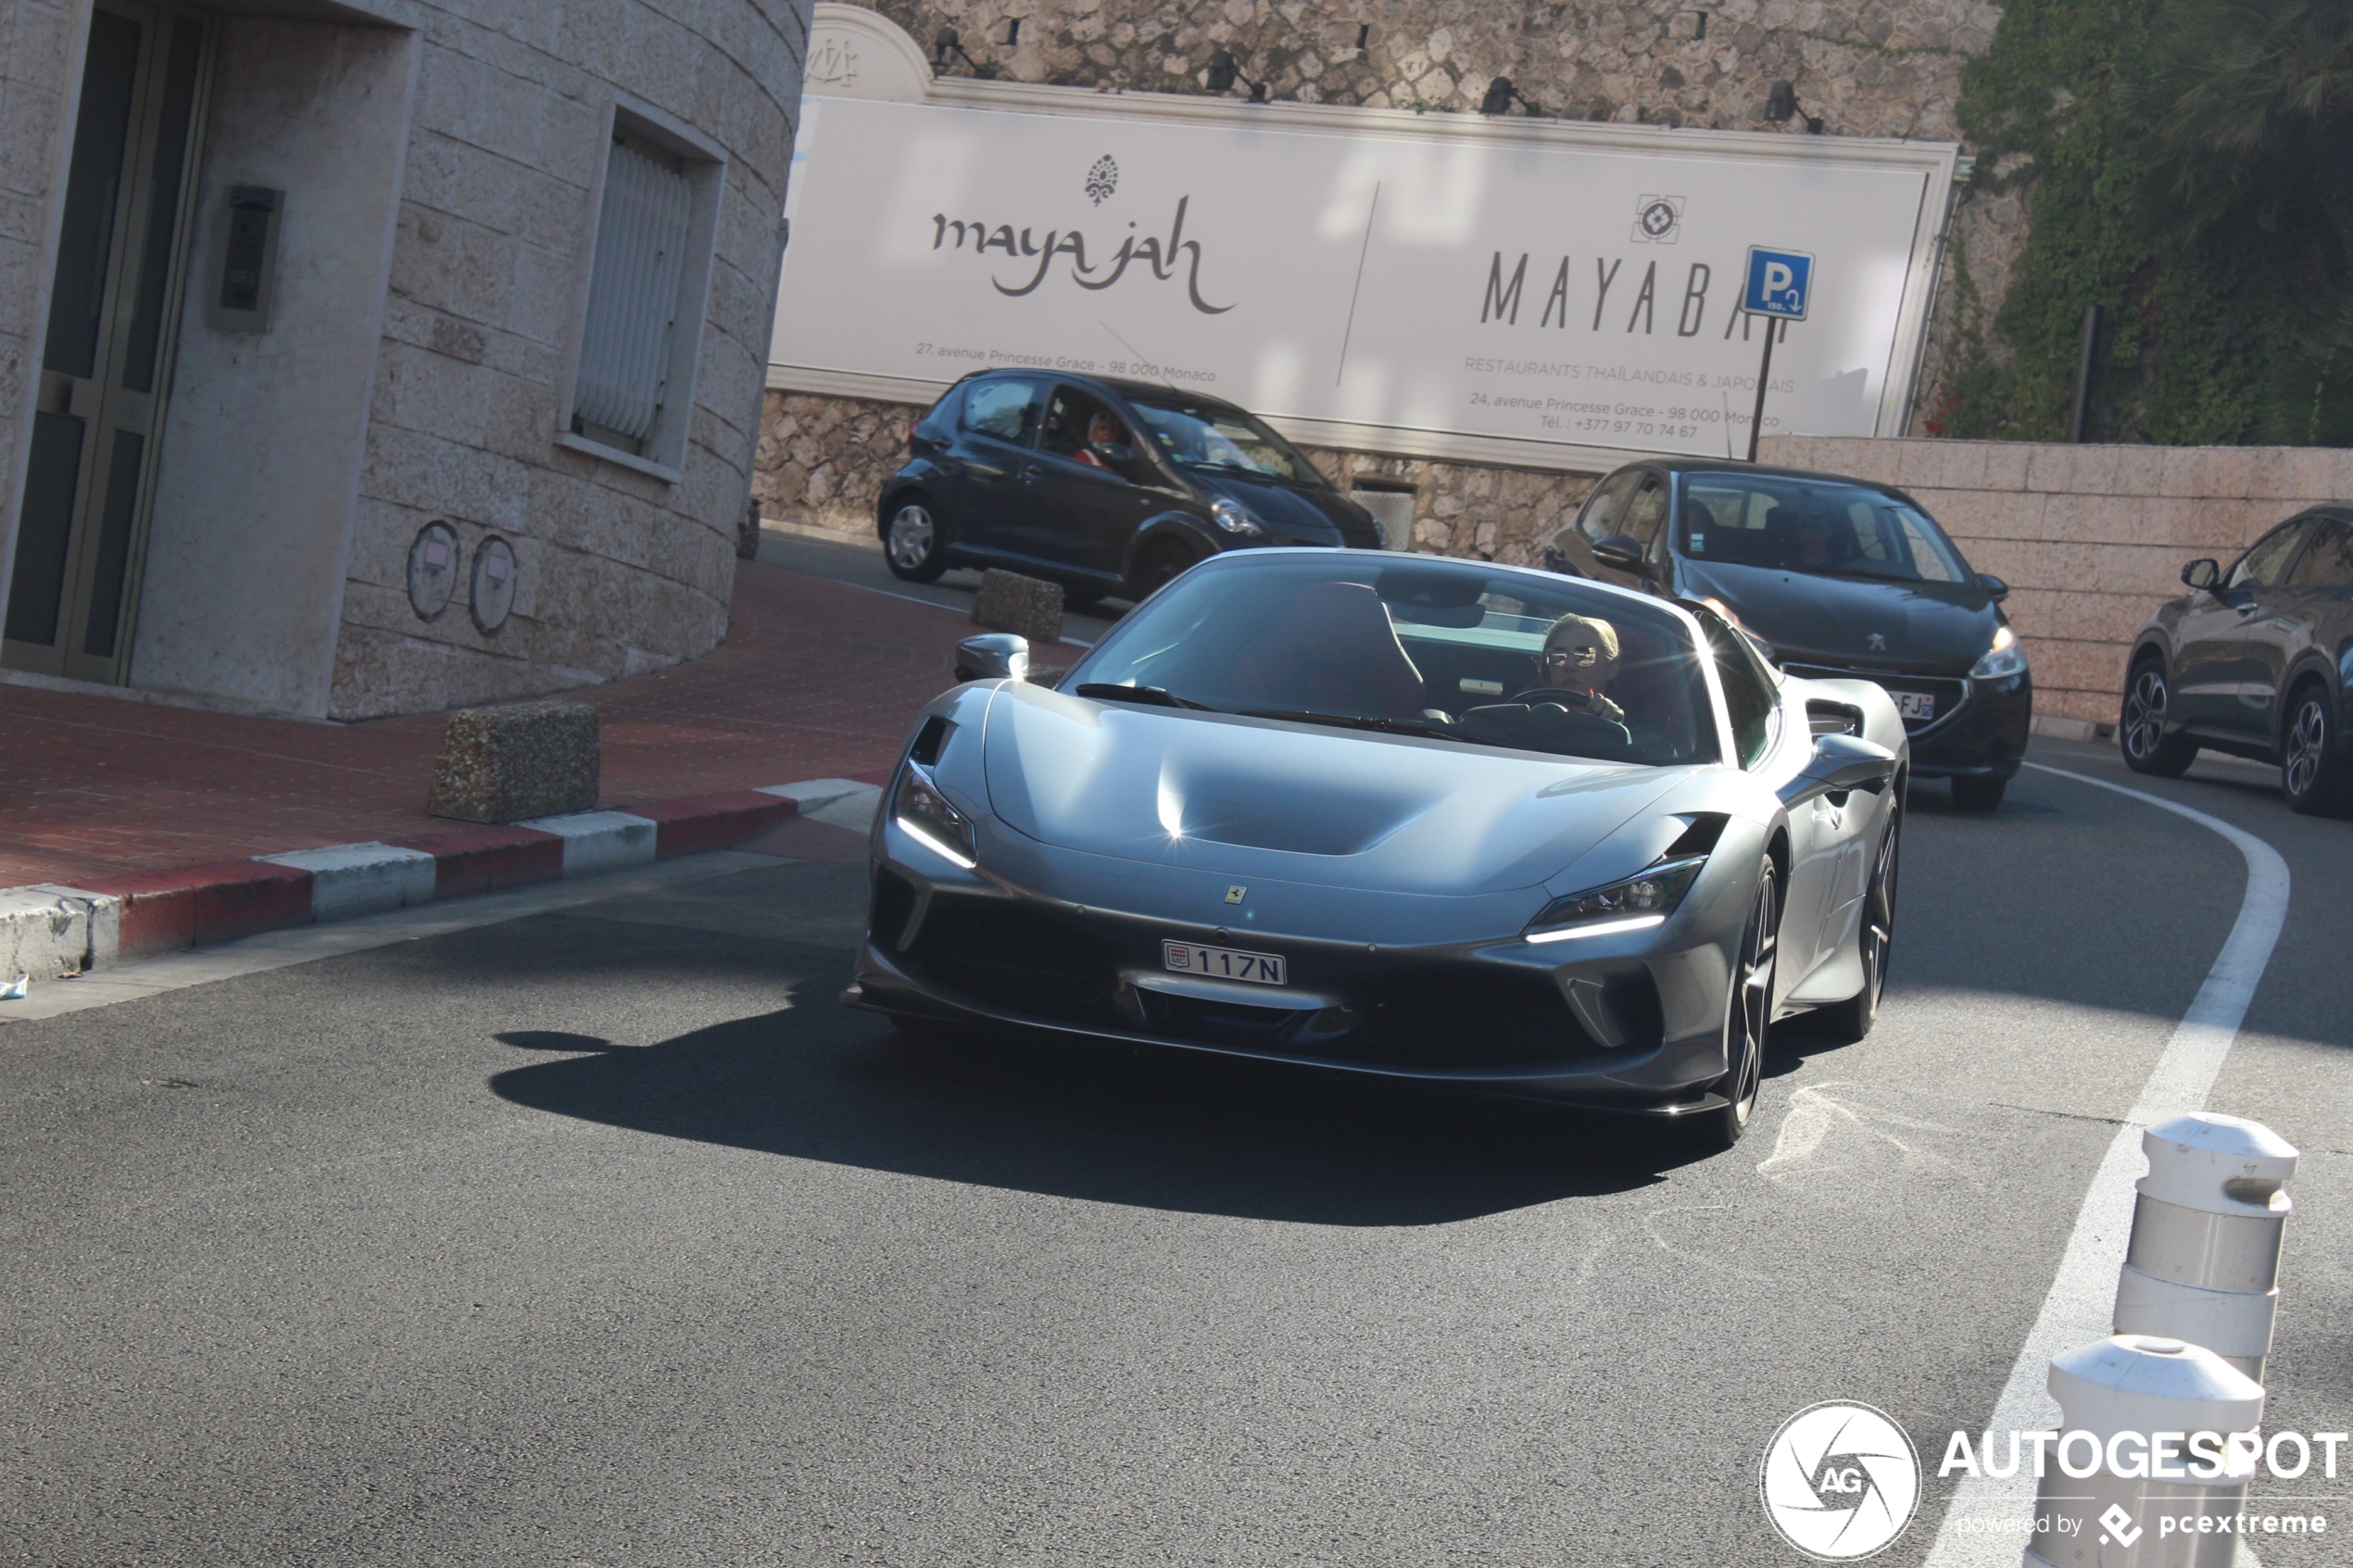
pixel 633 294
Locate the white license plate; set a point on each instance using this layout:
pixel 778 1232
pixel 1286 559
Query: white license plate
pixel 1222 963
pixel 1915 704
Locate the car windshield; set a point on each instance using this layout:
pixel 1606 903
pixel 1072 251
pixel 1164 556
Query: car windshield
pixel 1458 650
pixel 1210 435
pixel 1819 527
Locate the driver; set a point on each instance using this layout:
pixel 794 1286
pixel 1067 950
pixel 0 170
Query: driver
pixel 1812 537
pixel 1575 669
pixel 1102 430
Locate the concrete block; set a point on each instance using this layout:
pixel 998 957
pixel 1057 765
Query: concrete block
pixel 600 841
pixel 347 880
pixel 50 931
pixel 1024 605
pixel 505 764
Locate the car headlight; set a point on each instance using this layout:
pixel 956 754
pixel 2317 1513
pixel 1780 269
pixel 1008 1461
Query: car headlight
pixel 2004 658
pixel 1643 899
pixel 1229 516
pixel 925 813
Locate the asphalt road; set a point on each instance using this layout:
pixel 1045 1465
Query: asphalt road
pixel 603 1235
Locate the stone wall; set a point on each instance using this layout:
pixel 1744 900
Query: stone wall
pixel 617 571
pixel 823 462
pixel 2091 539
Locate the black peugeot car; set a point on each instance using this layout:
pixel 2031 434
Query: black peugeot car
pixel 1842 578
pixel 1106 486
pixel 2256 662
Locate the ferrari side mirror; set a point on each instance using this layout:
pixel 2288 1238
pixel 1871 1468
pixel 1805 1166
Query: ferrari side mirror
pixel 1619 552
pixel 1555 561
pixel 1841 763
pixel 2202 574
pixel 997 656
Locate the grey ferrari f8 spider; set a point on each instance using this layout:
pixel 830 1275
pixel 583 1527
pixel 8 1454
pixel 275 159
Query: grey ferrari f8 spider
pixel 1443 821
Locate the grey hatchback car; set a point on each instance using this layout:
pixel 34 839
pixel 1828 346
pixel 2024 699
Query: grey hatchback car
pixel 2256 662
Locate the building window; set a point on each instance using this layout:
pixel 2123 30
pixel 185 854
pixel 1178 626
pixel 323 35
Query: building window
pixel 641 325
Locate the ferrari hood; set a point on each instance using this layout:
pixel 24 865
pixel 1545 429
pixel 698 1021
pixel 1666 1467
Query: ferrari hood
pixel 1342 809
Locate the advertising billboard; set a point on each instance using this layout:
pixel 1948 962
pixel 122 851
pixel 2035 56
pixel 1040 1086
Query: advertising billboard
pixel 1459 292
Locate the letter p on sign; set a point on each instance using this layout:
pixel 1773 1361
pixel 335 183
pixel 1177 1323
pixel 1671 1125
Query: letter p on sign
pixel 1778 283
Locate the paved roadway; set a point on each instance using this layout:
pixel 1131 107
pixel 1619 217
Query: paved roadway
pixel 860 562
pixel 600 1235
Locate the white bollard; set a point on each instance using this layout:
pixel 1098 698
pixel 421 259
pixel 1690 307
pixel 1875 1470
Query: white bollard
pixel 2100 1502
pixel 2204 1261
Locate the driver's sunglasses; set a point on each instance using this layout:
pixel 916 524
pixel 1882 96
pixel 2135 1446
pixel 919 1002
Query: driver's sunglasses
pixel 1571 656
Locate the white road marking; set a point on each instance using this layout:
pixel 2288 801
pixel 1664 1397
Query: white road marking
pixel 2080 1305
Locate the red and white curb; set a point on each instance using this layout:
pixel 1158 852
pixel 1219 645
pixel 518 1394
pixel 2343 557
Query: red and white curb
pixel 49 931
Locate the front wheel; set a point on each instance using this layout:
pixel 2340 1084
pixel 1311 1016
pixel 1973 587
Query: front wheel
pixel 2312 772
pixel 2139 728
pixel 1748 1011
pixel 913 545
pixel 1162 563
pixel 1852 1019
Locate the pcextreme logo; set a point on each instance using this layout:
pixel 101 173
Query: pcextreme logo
pixel 1839 1481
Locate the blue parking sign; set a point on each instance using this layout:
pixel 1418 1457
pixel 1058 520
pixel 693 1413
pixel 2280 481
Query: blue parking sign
pixel 1778 281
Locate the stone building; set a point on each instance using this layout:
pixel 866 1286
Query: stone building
pixel 1861 67
pixel 362 357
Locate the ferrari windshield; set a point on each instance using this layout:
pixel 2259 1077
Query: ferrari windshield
pixel 1457 651
pixel 1211 435
pixel 1819 527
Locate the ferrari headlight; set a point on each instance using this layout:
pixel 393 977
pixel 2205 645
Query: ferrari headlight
pixel 925 813
pixel 1229 516
pixel 2004 658
pixel 1643 900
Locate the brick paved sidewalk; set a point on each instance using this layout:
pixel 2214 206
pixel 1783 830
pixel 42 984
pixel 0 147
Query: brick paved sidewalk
pixel 817 680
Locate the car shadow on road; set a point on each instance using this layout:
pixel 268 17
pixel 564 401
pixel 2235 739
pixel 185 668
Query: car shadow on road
pixel 1163 1130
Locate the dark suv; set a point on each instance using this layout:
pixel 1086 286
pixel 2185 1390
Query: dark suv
pixel 1104 487
pixel 2257 661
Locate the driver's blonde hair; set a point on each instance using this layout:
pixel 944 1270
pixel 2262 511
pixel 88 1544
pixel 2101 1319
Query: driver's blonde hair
pixel 1602 632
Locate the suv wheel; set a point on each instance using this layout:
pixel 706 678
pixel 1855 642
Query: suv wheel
pixel 2139 728
pixel 913 546
pixel 2313 774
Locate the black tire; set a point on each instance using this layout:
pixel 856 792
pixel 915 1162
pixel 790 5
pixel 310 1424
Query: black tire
pixel 1979 794
pixel 1748 1015
pixel 2140 728
pixel 2313 774
pixel 1161 562
pixel 914 545
pixel 1852 1019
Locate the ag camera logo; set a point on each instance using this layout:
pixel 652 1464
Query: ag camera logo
pixel 1839 1481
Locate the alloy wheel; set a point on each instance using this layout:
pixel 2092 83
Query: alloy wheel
pixel 910 538
pixel 1879 919
pixel 2145 707
pixel 2307 740
pixel 1752 1005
